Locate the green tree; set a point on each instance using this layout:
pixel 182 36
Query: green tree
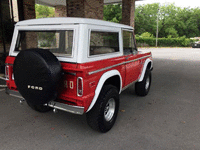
pixel 146 34
pixel 44 11
pixel 112 13
pixel 146 18
pixel 171 33
pixel 173 21
pixel 187 22
pixel 167 20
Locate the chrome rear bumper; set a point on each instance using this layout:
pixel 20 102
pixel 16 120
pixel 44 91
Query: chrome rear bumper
pixel 68 108
pixel 56 105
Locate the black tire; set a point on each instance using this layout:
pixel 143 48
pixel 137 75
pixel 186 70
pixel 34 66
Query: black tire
pixel 101 117
pixel 39 108
pixel 37 74
pixel 142 88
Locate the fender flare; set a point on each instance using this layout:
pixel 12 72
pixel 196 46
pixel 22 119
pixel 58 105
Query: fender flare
pixel 102 80
pixel 147 61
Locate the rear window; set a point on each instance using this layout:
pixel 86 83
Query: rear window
pixel 60 43
pixel 103 42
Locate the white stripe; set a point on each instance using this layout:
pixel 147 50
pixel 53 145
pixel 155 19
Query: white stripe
pixel 126 62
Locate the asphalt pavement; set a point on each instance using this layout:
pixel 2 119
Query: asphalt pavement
pixel 168 118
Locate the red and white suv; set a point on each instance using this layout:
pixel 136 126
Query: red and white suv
pixel 76 65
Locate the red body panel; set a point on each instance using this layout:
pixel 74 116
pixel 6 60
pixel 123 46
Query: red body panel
pixel 133 68
pixel 129 66
pixel 10 83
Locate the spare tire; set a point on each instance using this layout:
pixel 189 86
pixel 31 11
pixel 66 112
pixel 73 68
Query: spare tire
pixel 37 73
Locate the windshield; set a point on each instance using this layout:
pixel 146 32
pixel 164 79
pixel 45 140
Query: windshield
pixel 59 43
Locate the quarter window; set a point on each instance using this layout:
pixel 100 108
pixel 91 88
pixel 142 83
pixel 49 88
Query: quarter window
pixel 103 42
pixel 128 43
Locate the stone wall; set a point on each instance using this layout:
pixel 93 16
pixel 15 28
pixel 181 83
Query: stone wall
pixel 60 11
pixel 128 10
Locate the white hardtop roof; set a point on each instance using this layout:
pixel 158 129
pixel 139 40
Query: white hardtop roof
pixel 69 20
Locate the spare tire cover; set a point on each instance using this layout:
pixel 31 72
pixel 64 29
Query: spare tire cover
pixel 37 73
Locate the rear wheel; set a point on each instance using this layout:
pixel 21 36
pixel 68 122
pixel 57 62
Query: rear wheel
pixel 104 113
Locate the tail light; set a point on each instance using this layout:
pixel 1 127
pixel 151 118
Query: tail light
pixel 80 86
pixel 7 72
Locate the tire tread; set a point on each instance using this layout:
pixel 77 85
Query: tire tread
pixel 94 116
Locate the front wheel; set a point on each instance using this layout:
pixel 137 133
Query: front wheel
pixel 104 113
pixel 142 88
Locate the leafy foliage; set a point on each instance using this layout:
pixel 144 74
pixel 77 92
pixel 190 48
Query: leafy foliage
pixel 113 13
pixel 44 11
pixel 171 33
pixel 146 34
pixel 173 21
pixel 167 42
pixel 145 18
pixel 45 39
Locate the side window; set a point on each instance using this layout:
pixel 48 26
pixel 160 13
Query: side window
pixel 103 42
pixel 128 43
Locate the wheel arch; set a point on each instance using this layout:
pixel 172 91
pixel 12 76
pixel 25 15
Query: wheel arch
pixel 148 64
pixel 112 77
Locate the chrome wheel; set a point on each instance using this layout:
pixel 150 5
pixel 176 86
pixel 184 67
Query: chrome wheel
pixel 147 83
pixel 104 113
pixel 109 109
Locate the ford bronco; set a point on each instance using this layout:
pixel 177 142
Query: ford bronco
pixel 77 65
